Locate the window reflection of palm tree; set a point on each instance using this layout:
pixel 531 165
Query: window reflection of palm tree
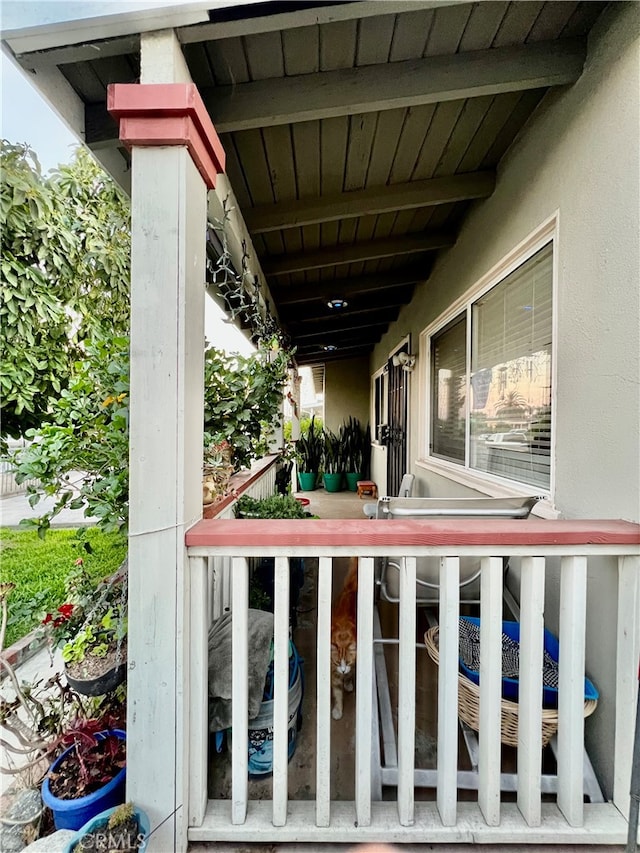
pixel 512 405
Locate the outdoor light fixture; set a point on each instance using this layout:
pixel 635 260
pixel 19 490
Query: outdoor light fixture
pixel 329 347
pixel 404 360
pixel 338 304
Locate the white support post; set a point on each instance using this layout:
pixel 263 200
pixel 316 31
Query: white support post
pixel 167 273
pixel 530 689
pixel 407 691
pixel 490 689
pixel 447 772
pixel 239 690
pixel 323 694
pixel 364 690
pixel 198 691
pixel 168 223
pixel 281 691
pixel 573 608
pixel 627 657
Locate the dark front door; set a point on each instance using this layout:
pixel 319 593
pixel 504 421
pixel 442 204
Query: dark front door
pixel 397 420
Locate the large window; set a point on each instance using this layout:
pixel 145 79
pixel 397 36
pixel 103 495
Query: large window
pixel 491 378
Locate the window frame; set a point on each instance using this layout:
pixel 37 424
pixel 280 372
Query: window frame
pixel 381 377
pixel 491 484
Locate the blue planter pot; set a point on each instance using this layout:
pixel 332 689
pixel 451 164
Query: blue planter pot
pixel 72 814
pixel 101 820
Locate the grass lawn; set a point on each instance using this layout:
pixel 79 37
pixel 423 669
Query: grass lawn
pixel 39 567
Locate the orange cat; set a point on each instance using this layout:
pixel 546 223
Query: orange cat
pixel 343 638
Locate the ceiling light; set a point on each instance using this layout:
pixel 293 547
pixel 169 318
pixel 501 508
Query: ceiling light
pixel 338 304
pixel 329 347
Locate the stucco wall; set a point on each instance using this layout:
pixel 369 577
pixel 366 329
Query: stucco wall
pixel 579 156
pixel 346 392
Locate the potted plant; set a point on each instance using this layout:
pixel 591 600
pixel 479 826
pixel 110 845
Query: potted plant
pixel 333 462
pixel 353 440
pixel 90 629
pixel 96 656
pixel 89 776
pixel 309 453
pixel 124 828
pixel 262 569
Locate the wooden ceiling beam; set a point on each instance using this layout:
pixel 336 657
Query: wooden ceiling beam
pixel 320 356
pixel 335 332
pixel 296 320
pixel 348 205
pixel 346 288
pixel 311 312
pixel 357 252
pixel 394 85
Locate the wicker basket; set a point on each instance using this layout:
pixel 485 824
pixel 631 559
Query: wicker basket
pixel 469 704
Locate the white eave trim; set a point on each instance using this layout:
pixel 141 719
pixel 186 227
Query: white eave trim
pixel 25 37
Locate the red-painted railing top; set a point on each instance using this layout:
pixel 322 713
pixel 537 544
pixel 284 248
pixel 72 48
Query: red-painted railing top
pixel 447 532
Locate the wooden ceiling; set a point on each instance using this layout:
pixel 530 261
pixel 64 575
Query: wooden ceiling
pixel 357 135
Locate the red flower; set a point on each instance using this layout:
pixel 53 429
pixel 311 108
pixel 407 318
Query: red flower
pixel 66 610
pixel 47 619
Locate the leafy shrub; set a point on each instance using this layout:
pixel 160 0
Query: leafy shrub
pixel 276 506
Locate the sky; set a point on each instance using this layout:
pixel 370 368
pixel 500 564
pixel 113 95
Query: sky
pixel 27 118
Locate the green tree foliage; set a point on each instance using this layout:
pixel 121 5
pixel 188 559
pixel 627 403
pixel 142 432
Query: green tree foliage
pixel 65 275
pixel 243 399
pixel 65 347
pixel 80 453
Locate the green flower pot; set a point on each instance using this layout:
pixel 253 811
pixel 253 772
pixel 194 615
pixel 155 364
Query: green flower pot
pixel 332 482
pixel 352 481
pixel 307 481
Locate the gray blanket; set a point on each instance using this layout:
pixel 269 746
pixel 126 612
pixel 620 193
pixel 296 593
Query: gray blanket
pixel 220 666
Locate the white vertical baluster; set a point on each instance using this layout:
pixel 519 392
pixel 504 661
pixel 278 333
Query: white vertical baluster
pixel 198 687
pixel 573 608
pixel 530 689
pixel 281 691
pixel 239 691
pixel 448 690
pixel 407 691
pixel 364 691
pixel 323 694
pixel 490 689
pixel 627 653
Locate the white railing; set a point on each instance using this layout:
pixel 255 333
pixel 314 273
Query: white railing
pixel 259 482
pixel 8 485
pixel 562 550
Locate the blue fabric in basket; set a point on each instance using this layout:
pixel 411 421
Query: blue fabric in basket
pixel 469 637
